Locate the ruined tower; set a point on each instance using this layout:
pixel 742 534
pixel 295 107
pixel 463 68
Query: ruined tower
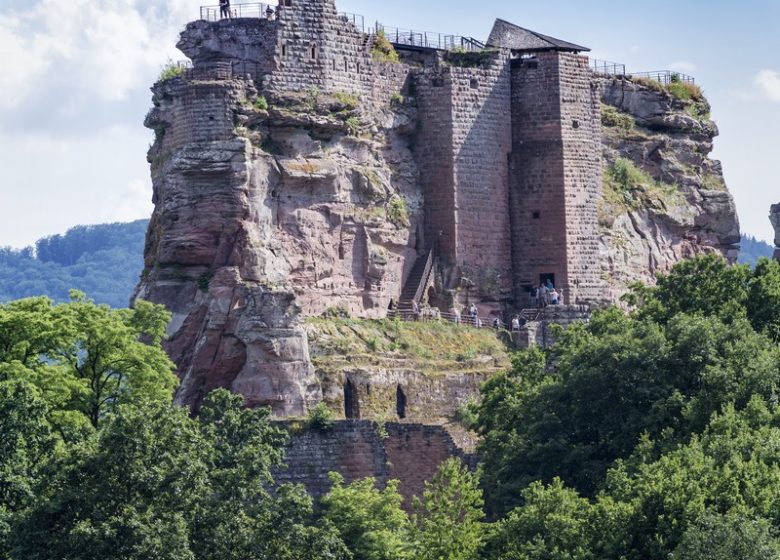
pixel 555 164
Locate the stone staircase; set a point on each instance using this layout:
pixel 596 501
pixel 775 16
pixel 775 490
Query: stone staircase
pixel 414 288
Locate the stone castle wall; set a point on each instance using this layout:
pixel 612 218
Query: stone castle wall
pixel 309 45
pixel 194 112
pixel 410 453
pixel 581 134
pixel 462 147
pixel 537 197
pixel 556 175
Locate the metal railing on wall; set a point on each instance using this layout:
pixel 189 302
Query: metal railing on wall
pixel 607 68
pixel 428 40
pixel 252 10
pixel 665 77
pixel 396 35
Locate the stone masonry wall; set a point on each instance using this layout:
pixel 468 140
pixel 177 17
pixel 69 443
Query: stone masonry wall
pixel 464 137
pixel 556 175
pixel 308 46
pixel 581 134
pixel 410 453
pixel 194 112
pixel 436 160
pixel 482 138
pixel 537 195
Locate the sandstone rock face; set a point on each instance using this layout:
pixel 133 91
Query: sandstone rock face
pixel 276 203
pixel 262 215
pixel 774 217
pixel 664 198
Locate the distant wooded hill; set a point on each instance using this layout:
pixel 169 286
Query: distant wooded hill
pixel 753 249
pixel 103 261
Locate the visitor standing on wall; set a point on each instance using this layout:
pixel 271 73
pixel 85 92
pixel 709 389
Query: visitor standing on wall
pixel 224 8
pixel 515 323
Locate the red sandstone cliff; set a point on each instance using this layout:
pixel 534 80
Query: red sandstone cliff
pixel 309 188
pixel 664 198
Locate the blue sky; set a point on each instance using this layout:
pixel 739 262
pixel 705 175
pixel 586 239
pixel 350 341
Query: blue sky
pixel 76 74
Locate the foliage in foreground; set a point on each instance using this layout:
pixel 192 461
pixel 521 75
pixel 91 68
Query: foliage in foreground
pixel 649 435
pixel 86 359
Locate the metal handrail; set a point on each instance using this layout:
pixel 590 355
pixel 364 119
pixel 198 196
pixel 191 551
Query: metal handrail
pixel 251 10
pixel 355 19
pixel 665 77
pixel 428 40
pixel 418 295
pixel 608 68
pixel 397 36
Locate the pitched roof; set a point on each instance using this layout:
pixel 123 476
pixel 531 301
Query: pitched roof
pixel 511 36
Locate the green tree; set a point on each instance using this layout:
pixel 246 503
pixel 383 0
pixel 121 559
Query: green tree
pixel 127 495
pixel 26 444
pixel 728 537
pixel 370 521
pixel 448 519
pixel 87 359
pixel 554 523
pixel 155 483
pixel 238 517
pixel 615 379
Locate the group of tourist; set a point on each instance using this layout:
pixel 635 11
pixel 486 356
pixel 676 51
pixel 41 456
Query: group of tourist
pixel 545 294
pixel 226 13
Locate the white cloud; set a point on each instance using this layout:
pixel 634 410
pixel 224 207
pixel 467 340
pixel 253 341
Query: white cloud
pixel 683 66
pixel 86 48
pixel 768 82
pixel 132 203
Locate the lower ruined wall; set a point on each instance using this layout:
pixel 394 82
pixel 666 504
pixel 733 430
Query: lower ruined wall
pixel 410 453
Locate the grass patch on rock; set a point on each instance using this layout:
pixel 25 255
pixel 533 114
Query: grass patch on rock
pixel 628 187
pixel 383 50
pixel 431 346
pixel 614 118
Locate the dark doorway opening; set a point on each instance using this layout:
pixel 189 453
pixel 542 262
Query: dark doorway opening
pixel 544 277
pixel 400 402
pixel 351 402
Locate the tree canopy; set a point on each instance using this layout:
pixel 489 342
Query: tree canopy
pixel 103 261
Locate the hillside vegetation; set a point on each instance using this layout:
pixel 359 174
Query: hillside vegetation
pixel 752 249
pixel 650 434
pixel 433 346
pixel 103 261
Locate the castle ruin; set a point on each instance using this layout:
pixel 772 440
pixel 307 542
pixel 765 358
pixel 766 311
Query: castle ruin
pixel 306 164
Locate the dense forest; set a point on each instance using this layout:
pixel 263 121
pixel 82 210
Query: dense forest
pixel 103 261
pixel 648 433
pixel 752 249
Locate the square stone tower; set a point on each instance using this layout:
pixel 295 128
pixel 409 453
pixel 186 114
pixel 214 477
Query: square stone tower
pixel 555 169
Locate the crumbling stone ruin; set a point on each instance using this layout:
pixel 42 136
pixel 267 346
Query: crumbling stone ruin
pixel 305 165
